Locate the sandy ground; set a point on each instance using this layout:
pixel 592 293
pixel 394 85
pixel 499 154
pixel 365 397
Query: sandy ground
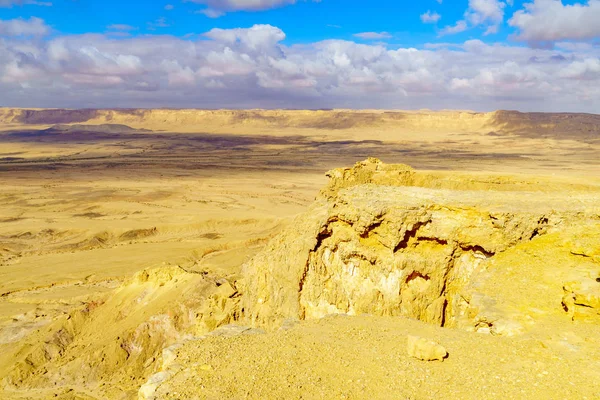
pixel 83 210
pixel 366 357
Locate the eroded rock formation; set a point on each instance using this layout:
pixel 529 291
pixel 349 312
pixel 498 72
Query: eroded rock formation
pixel 119 339
pixel 386 240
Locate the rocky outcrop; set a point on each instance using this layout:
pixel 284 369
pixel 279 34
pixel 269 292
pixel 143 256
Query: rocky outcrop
pixel 376 172
pixel 388 249
pixel 371 170
pixel 582 299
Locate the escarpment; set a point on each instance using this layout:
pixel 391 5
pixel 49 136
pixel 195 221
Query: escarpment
pixel 382 241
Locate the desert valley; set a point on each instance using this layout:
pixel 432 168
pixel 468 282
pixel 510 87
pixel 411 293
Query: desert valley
pixel 197 254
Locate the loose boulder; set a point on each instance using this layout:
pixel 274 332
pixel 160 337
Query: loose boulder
pixel 425 350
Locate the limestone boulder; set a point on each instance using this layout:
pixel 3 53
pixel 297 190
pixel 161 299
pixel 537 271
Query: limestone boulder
pixel 424 349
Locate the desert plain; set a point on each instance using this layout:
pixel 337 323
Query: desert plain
pixel 200 254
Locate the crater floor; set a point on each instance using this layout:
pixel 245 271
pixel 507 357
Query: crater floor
pixel 204 254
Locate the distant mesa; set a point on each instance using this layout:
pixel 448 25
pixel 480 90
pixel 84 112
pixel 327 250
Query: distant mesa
pixel 63 116
pixel 498 123
pixel 55 116
pixel 102 128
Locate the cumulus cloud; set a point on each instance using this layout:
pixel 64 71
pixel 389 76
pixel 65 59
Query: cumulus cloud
pixel 258 37
pixel 24 27
pixel 551 20
pixel 587 69
pixel 251 67
pixel 485 11
pixel 372 35
pixel 217 8
pixel 460 26
pixel 488 14
pixel 211 12
pixel 158 23
pixel 430 18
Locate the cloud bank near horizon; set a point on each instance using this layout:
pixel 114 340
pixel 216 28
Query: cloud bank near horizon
pixel 252 67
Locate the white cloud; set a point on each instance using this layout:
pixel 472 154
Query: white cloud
pixel 211 13
pixel 430 18
pixel 481 12
pixel 159 23
pixel 250 67
pixel 217 8
pixel 587 69
pixel 226 63
pixel 460 26
pixel 24 27
pixel 249 5
pixel 258 37
pixel 169 7
pixel 551 20
pixel 178 75
pixel 372 35
pixel 575 46
pixel 488 14
pixel 120 27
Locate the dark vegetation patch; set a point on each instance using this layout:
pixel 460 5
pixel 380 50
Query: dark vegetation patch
pixel 75 133
pixel 89 215
pixel 102 128
pixel 11 219
pixel 211 236
pixel 8 159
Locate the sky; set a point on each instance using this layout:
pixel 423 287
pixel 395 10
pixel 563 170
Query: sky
pixel 482 55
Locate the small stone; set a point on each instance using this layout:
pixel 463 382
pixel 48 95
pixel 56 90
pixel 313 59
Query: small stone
pixel 424 349
pixel 206 367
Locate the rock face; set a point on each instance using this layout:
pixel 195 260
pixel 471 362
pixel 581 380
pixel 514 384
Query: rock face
pixel 372 245
pixel 582 299
pixel 426 350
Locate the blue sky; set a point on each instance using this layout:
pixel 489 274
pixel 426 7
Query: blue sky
pixel 478 54
pixel 303 22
